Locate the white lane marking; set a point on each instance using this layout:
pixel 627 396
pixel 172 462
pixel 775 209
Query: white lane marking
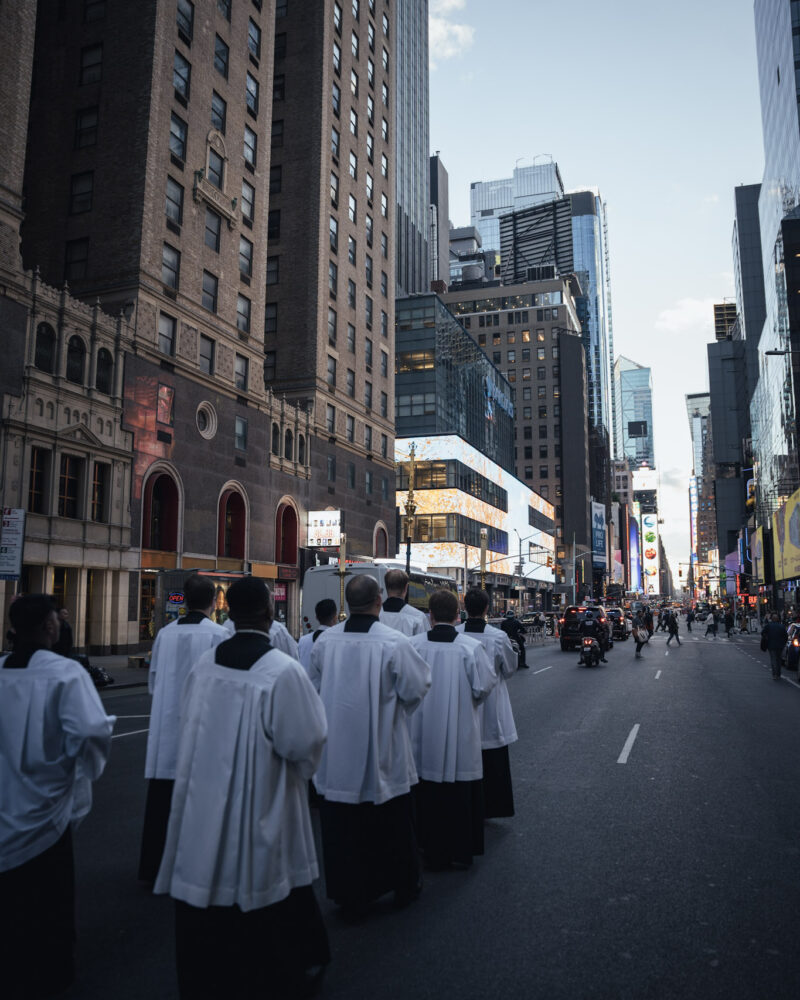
pixel 136 732
pixel 793 683
pixel 626 750
pixel 543 669
pixel 133 716
pixel 658 674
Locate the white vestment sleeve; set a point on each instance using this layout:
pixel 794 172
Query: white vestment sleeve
pixel 507 660
pixel 412 676
pixel 87 728
pixel 294 719
pixel 315 665
pixel 151 673
pixel 482 677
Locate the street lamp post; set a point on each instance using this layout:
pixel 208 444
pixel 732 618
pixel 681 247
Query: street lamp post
pixel 411 507
pixel 484 542
pixel 342 571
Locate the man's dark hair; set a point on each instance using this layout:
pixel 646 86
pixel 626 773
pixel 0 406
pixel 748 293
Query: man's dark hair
pixel 443 606
pixel 325 610
pixel 395 581
pixel 28 613
pixel 476 602
pixel 361 593
pixel 249 601
pixel 198 592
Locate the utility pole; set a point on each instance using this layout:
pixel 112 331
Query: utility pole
pixel 411 507
pixel 484 540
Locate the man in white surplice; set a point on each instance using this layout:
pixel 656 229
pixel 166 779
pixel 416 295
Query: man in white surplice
pixel 370 679
pixel 396 611
pixel 177 648
pixel 446 736
pixel 279 636
pixel 54 742
pixel 239 858
pixel 327 614
pixel 497 719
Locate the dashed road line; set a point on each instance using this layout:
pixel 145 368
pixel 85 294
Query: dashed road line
pixel 626 750
pixel 543 669
pixel 658 674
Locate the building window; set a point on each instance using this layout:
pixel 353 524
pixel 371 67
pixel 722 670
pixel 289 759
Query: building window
pixel 37 481
pixel 384 364
pixel 354 83
pixel 243 313
pixel 250 146
pixel 352 208
pixel 351 250
pixel 170 266
pixel 241 371
pixel 45 357
pixel 371 36
pixel 351 338
pixel 167 326
pixel 280 46
pixel 240 434
pixel 331 330
pixel 384 323
pixel 104 373
pixel 353 166
pixel 368 311
pixel 76 259
pixel 271 317
pixel 385 59
pixel 100 479
pixel 91 64
pixel 331 378
pixel 93 10
pixel 221 56
pixel 177 137
pixel 370 109
pixel 224 7
pixel 216 167
pixel 336 99
pixel 370 72
pixel 85 128
pixel 210 290
pixel 368 482
pixel 368 228
pixel 275 179
pixel 384 206
pixel 76 360
pixel 249 200
pixel 335 143
pixel 333 278
pixel 351 387
pixel 384 446
pixel 165 405
pixel 384 130
pixel 367 438
pixel 219 112
pixel 337 18
pixel 368 395
pixel 353 122
pixel 334 234
pixel 385 94
pixel 351 475
pixel 354 44
pixel 331 468
pixel 206 354
pixel 369 185
pixel 368 354
pixel 254 39
pixel 212 231
pixel 181 76
pixel 276 134
pixel 174 201
pixel 351 293
pixel 334 190
pixel 245 257
pixel 80 192
pixel 384 410
pixel 274 224
pixel 69 483
pixel 270 360
pixel 273 270
pixel 337 58
pixel 330 419
pixel 350 422
pixel 384 284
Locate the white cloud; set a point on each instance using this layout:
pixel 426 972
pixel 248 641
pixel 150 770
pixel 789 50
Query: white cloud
pixel 447 38
pixel 712 199
pixel 694 316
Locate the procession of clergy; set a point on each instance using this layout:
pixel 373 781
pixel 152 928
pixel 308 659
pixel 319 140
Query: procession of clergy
pixel 401 724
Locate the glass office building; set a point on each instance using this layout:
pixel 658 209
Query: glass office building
pixel 445 384
pixel 634 391
pixel 488 200
pixel 411 145
pixel 773 412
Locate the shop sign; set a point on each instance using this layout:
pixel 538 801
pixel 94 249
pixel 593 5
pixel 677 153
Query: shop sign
pixel 324 528
pixel 287 572
pixel 279 592
pixel 12 542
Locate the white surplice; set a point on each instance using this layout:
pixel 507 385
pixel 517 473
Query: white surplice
pixel 306 643
pixel 497 719
pixel 176 650
pixel 55 739
pixel 446 730
pixel 408 620
pixel 239 828
pixel 369 683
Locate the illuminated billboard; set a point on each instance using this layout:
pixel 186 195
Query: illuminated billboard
pixel 598 535
pixel 644 479
pixel 786 539
pixel 757 556
pixel 650 560
pixel 633 553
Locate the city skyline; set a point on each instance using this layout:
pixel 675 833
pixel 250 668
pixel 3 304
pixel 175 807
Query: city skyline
pixel 667 176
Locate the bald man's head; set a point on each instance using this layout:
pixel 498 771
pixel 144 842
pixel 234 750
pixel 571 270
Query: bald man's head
pixel 363 594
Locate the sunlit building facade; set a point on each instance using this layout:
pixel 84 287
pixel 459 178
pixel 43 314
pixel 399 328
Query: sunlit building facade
pixel 634 393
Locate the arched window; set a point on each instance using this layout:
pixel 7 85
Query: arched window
pixel 276 440
pixel 45 359
pixel 105 371
pixel 288 446
pixel 231 525
pixel 286 535
pixel 160 521
pixel 301 449
pixel 381 544
pixel 76 360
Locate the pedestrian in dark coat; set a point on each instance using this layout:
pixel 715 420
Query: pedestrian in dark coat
pixel 728 623
pixel 689 619
pixel 773 640
pixel 672 628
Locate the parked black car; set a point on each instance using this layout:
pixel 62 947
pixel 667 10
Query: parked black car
pixel 791 654
pixel 571 625
pixel 621 624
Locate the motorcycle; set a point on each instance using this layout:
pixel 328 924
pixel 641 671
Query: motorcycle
pixel 590 652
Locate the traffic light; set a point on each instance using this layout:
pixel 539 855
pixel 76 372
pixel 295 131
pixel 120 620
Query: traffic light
pixel 549 562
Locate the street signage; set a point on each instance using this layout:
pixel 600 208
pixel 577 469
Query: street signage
pixel 12 542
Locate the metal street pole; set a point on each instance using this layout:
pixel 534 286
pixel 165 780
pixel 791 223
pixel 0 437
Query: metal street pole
pixel 484 541
pixel 411 506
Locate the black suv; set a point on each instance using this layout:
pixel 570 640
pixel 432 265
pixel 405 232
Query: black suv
pixel 620 624
pixel 571 625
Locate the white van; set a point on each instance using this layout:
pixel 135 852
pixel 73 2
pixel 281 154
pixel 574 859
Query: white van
pixel 320 582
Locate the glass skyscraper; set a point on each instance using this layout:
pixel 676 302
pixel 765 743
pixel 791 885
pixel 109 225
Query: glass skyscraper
pixel 488 200
pixel 634 392
pixel 411 145
pixel 773 411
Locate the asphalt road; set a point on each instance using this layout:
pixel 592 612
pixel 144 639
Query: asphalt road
pixel 655 852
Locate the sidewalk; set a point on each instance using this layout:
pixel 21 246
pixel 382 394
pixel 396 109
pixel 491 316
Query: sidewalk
pixel 119 667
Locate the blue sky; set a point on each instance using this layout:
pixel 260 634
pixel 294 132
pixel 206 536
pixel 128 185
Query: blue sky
pixel 657 106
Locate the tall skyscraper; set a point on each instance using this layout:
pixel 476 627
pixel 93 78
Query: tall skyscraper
pixel 439 243
pixel 775 401
pixel 748 273
pixel 529 185
pixel 411 144
pixel 724 319
pixel 634 385
pixel 701 486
